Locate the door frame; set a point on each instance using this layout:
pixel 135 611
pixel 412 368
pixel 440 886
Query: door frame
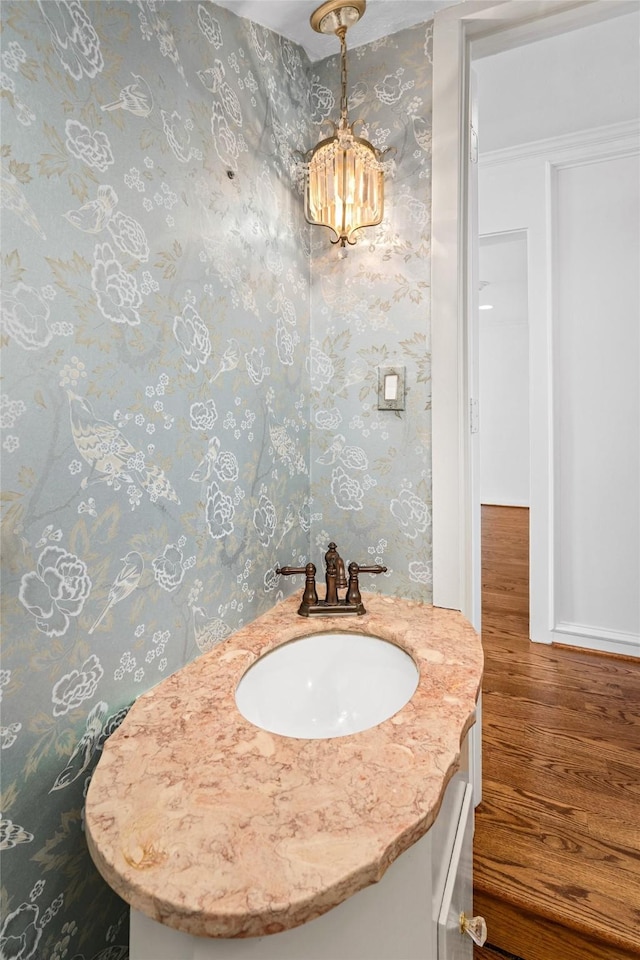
pixel 460 33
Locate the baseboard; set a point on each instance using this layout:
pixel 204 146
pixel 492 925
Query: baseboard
pixel 615 642
pixel 504 503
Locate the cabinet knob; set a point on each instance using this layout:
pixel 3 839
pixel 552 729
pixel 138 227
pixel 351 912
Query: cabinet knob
pixel 476 927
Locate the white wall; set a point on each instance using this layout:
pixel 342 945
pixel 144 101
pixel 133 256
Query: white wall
pixel 574 190
pixel 576 81
pixel 504 369
pixel 597 398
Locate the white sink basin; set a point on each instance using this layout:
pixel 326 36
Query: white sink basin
pixel 327 685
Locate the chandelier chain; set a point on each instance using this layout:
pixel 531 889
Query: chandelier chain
pixel 344 173
pixel 342 34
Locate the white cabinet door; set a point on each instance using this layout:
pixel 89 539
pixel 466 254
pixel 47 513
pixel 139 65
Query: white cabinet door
pixel 458 891
pixel 386 920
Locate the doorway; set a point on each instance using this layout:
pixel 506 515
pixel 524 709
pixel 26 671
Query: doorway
pixel 492 27
pixel 579 207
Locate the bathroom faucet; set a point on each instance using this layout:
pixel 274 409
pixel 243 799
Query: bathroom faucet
pixel 336 580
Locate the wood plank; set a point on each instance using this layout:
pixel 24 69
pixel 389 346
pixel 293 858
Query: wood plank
pixel 489 952
pixel 554 873
pixel 538 735
pixel 557 843
pixel 559 783
pixel 540 939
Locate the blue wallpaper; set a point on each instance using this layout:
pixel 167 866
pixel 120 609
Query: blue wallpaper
pixel 370 468
pixel 182 408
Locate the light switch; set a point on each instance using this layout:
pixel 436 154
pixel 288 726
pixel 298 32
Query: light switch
pixel 391 388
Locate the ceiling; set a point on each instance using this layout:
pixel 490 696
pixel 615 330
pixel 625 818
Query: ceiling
pixel 290 18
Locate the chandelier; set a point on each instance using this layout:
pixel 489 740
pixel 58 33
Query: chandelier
pixel 344 174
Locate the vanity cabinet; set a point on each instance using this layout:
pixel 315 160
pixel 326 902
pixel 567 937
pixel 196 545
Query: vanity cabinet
pixel 412 913
pixel 234 843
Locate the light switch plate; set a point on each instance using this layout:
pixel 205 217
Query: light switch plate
pixel 391 388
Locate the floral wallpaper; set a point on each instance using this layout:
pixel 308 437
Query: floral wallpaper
pixel 188 390
pixel 370 468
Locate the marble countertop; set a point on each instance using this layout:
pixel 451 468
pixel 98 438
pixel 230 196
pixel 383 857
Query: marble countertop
pixel 214 827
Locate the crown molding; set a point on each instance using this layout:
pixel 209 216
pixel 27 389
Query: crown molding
pixel 598 143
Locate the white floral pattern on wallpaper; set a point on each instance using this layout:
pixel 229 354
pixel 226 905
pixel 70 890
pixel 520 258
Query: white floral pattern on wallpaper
pixel 371 469
pixel 155 325
pixel 181 410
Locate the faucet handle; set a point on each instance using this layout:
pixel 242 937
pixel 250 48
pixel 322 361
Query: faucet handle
pixel 290 571
pixel 310 596
pixel 353 593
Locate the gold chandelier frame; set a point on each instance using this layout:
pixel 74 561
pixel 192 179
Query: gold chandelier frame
pixel 344 173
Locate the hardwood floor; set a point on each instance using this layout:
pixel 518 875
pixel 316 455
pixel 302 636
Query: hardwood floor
pixel 557 842
pixel 489 952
